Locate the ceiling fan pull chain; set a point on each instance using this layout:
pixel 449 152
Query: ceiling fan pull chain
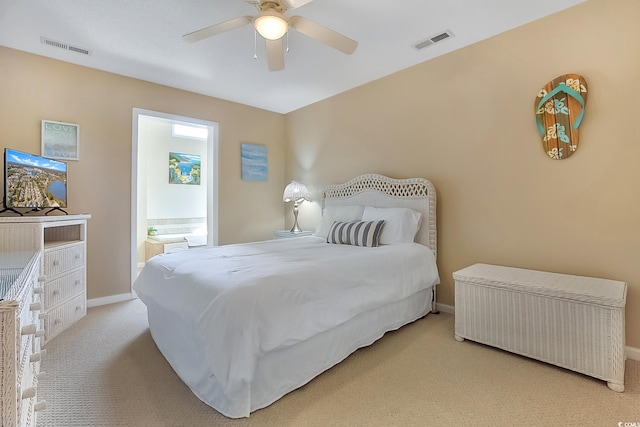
pixel 255 44
pixel 287 41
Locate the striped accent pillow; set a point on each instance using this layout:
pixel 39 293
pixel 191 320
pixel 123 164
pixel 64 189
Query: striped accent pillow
pixel 357 233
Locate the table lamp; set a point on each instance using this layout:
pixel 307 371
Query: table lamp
pixel 296 193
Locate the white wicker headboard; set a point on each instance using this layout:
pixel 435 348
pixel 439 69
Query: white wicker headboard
pixel 384 192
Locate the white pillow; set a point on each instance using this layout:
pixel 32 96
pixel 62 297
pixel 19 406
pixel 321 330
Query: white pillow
pixel 401 224
pixel 337 213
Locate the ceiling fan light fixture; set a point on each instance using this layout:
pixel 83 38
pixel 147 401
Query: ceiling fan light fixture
pixel 271 25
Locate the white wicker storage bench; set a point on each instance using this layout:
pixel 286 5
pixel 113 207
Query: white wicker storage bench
pixel 570 321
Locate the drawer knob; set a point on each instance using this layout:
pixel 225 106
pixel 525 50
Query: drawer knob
pixel 28 329
pixel 57 321
pixel 28 393
pixel 56 292
pixel 38 290
pixel 40 333
pixel 78 307
pixel 56 262
pixel 78 256
pixel 40 406
pixel 78 281
pixel 36 357
pixel 35 306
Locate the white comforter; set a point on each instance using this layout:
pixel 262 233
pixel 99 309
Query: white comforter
pixel 245 300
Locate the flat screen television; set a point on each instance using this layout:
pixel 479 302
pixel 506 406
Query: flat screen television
pixel 34 182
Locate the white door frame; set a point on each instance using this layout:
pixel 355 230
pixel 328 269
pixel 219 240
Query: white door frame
pixel 212 180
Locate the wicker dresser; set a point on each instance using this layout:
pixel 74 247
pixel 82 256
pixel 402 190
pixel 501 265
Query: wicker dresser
pixel 61 242
pixel 20 334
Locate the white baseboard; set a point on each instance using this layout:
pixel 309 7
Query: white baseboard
pixel 446 308
pixel 111 299
pixel 631 352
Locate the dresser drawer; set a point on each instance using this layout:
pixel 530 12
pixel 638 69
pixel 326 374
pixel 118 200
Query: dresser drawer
pixel 29 397
pixel 59 318
pixel 65 287
pixel 27 385
pixel 24 376
pixel 63 259
pixel 35 306
pixel 27 382
pixel 28 416
pixel 28 334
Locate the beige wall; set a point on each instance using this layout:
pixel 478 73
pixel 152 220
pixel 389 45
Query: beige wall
pixel 33 88
pixel 466 121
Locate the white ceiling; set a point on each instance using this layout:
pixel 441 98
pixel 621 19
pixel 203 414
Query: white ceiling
pixel 142 39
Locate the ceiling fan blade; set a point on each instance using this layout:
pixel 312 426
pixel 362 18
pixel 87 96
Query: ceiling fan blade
pixel 323 34
pixel 275 55
pixel 216 29
pixel 292 4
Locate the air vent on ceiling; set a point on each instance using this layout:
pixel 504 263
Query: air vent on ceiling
pixel 433 39
pixel 64 46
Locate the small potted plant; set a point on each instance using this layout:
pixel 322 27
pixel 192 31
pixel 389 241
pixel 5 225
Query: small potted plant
pixel 152 231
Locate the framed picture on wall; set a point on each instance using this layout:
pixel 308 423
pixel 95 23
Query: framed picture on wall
pixel 184 168
pixel 60 140
pixel 254 162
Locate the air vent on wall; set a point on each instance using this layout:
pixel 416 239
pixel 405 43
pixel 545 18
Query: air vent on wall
pixel 433 39
pixel 64 46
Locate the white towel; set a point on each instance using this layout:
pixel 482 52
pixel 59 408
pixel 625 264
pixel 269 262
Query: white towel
pixel 196 240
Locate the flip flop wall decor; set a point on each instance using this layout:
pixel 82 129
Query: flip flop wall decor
pixel 559 108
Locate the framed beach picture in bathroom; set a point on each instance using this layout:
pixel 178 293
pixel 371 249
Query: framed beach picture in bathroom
pixel 184 168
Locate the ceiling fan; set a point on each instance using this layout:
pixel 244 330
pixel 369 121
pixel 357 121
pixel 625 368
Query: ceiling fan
pixel 272 24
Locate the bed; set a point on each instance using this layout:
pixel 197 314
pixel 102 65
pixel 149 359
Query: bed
pixel 242 325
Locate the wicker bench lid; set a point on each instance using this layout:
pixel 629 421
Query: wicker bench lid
pixel 593 290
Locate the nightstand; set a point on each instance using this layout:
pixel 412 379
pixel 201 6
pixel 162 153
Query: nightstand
pixel 286 234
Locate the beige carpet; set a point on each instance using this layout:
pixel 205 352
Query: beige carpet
pixel 106 371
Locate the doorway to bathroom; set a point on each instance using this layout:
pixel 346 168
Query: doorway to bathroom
pixel 174 188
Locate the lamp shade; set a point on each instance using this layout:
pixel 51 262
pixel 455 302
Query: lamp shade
pixel 295 192
pixel 271 25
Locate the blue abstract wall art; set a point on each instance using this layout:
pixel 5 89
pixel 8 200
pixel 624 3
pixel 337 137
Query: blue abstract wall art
pixel 254 162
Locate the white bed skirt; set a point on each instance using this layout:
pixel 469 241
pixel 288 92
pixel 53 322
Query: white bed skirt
pixel 279 372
